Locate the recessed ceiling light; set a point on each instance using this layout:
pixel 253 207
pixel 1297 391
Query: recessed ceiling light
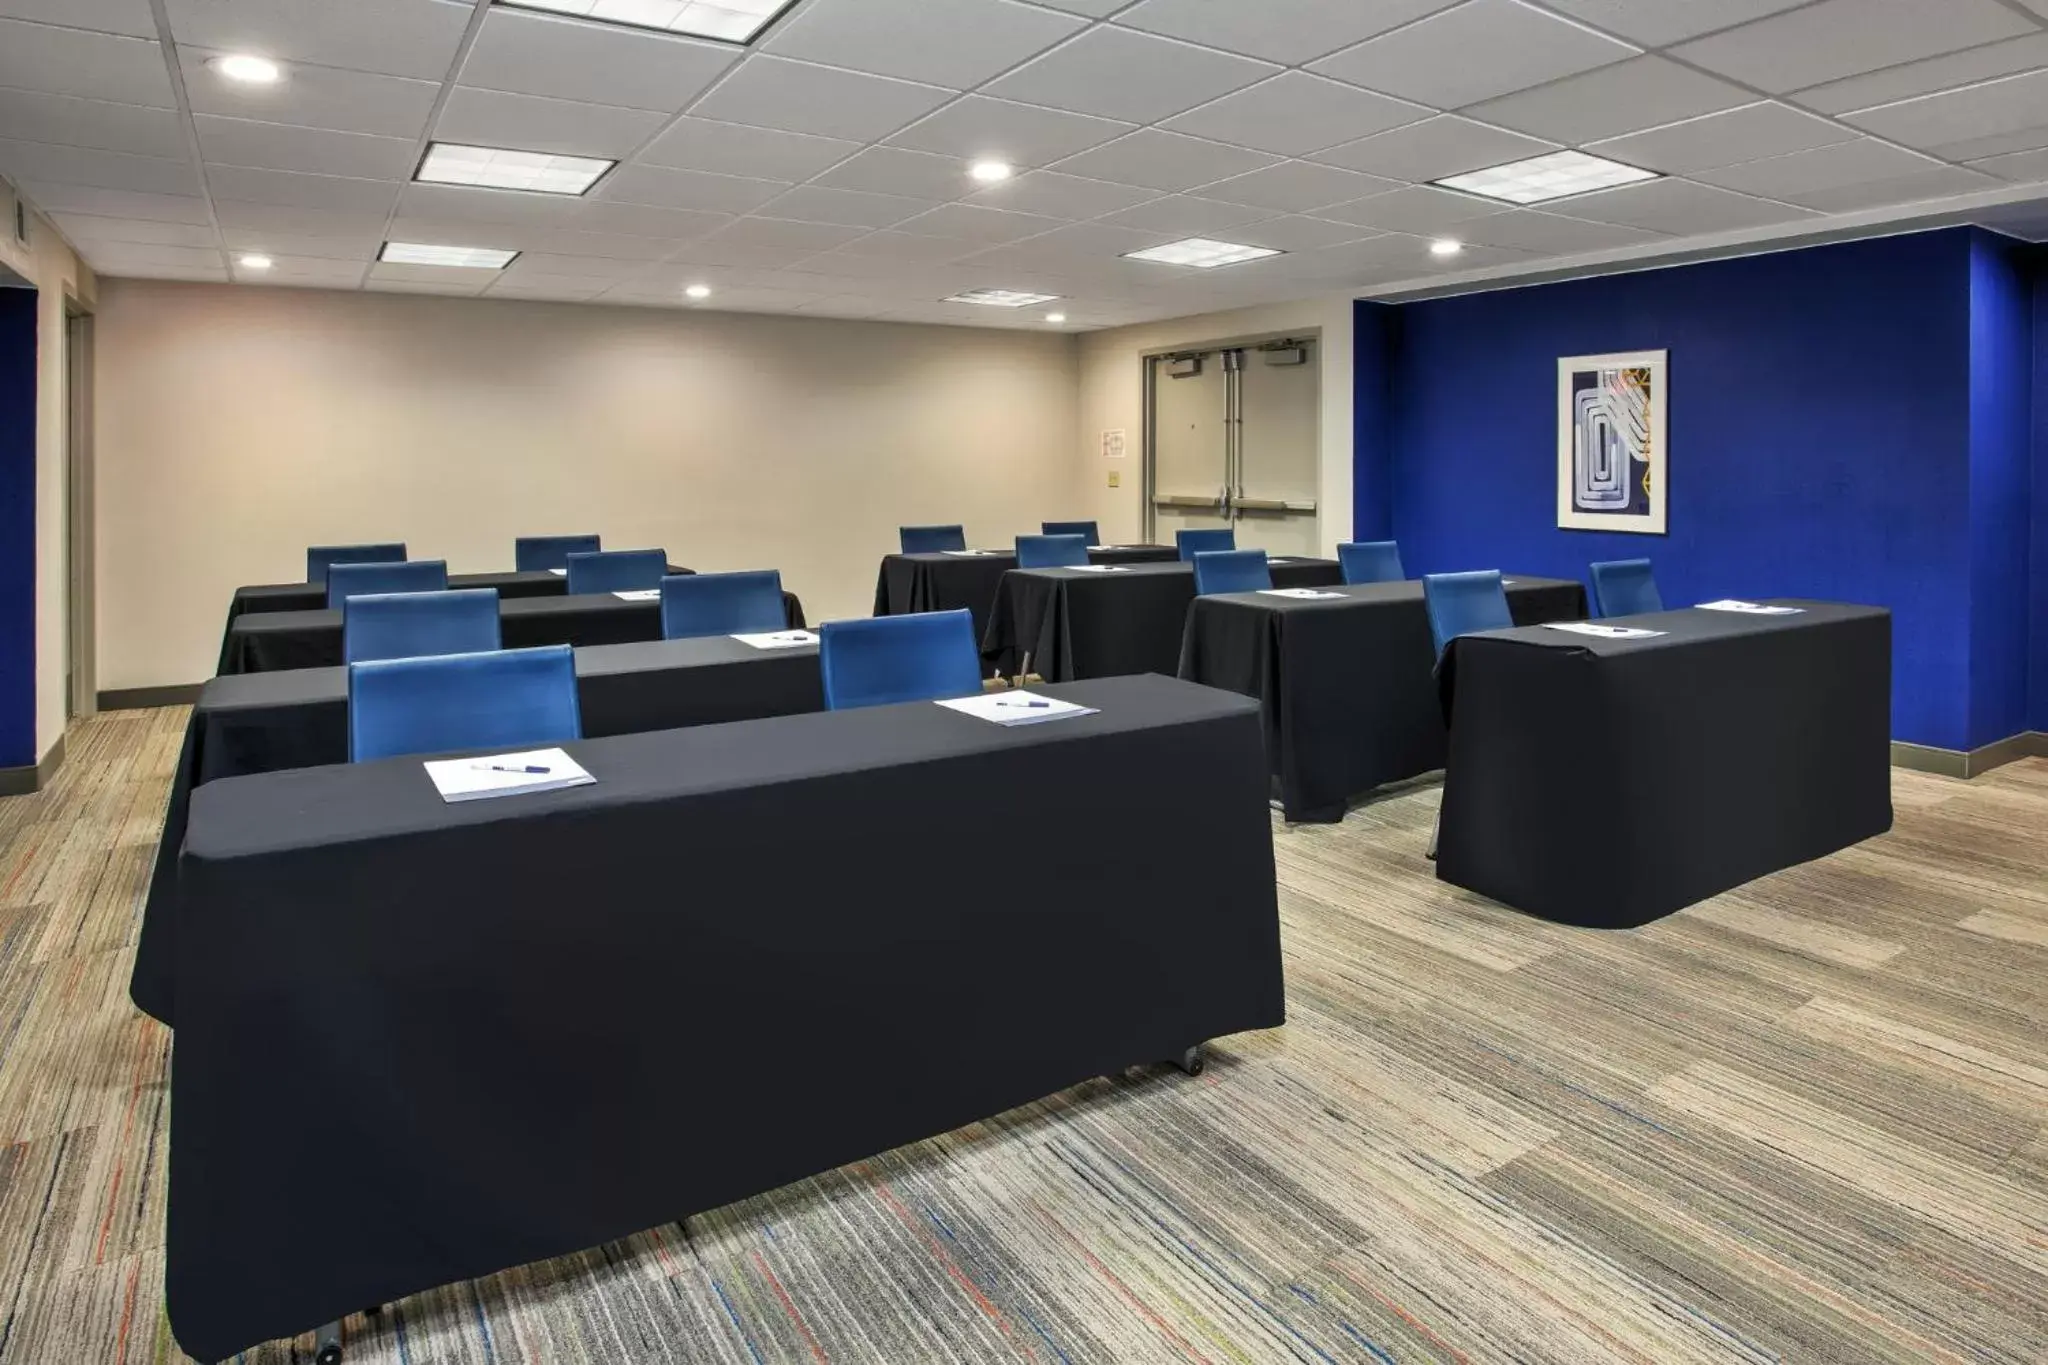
pixel 1202 253
pixel 1444 246
pixel 466 257
pixel 735 21
pixel 248 70
pixel 1000 298
pixel 989 172
pixel 698 291
pixel 1055 317
pixel 451 163
pixel 255 261
pixel 1547 177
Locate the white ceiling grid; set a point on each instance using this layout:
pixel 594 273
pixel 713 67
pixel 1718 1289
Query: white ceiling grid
pixel 822 170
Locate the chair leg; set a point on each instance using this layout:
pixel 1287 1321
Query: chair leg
pixel 1436 830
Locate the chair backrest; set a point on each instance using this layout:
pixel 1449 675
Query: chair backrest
pixel 931 540
pixel 700 604
pixel 1625 587
pixel 1087 530
pixel 616 570
pixel 1231 571
pixel 1461 603
pixel 538 554
pixel 509 699
pixel 411 625
pixel 1192 543
pixel 1051 552
pixel 318 557
pixel 412 575
pixel 1370 561
pixel 923 657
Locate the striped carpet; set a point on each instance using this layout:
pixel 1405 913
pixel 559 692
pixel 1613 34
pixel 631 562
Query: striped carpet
pixel 1802 1122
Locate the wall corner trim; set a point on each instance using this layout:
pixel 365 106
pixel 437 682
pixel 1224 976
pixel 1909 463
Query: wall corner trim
pixel 142 698
pixel 28 781
pixel 1925 758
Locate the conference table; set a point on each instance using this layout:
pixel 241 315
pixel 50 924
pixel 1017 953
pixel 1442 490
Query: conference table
pixel 504 1030
pixel 298 718
pixel 970 578
pixel 1074 623
pixel 1347 683
pixel 1609 782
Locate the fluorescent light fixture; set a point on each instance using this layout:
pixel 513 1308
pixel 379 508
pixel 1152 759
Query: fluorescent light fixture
pixel 1444 246
pixel 255 261
pixel 465 257
pixel 1547 177
pixel 698 291
pixel 991 172
pixel 1055 317
pixel 1202 253
pixel 734 21
pixel 248 70
pixel 1000 298
pixel 495 168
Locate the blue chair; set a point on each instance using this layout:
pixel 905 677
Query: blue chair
pixel 318 557
pixel 1051 552
pixel 508 699
pixel 1371 561
pixel 1087 530
pixel 700 604
pixel 413 575
pixel 1192 543
pixel 616 570
pixel 931 540
pixel 412 625
pixel 888 659
pixel 1464 603
pixel 538 554
pixel 1231 571
pixel 1625 587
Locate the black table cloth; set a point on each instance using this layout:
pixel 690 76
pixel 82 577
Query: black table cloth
pixel 1611 782
pixel 942 582
pixel 492 1032
pixel 262 642
pixel 1348 686
pixel 1073 624
pixel 298 718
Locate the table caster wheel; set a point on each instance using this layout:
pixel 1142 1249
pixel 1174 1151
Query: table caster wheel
pixel 330 1354
pixel 1190 1061
pixel 327 1345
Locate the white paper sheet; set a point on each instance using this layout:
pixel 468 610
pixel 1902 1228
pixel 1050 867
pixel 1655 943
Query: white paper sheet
pixel 477 779
pixel 1603 632
pixel 1016 707
pixel 1300 594
pixel 639 595
pixel 559 573
pixel 969 554
pixel 1100 568
pixel 1749 608
pixel 780 639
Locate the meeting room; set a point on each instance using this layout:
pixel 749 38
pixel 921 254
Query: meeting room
pixel 727 682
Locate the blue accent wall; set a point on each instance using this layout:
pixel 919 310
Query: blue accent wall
pixel 2001 482
pixel 2037 668
pixel 17 528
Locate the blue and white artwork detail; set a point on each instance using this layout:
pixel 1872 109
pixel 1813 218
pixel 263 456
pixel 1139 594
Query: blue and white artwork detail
pixel 1612 463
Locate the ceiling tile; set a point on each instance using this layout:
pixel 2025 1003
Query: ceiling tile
pixel 157 262
pixel 1658 23
pixel 1935 182
pixel 958 44
pixel 1823 168
pixel 1298 233
pixel 416 38
pixel 81 228
pixel 1676 206
pixel 535 123
pixel 896 170
pixel 1922 78
pixel 1093 247
pixel 468 204
pixel 338 193
pixel 1419 208
pixel 1161 160
pixel 614 245
pixel 34 116
pixel 1289 31
pixel 800 97
pixel 1296 113
pixel 2020 166
pixel 589 267
pixel 434 278
pixel 539 54
pixel 1702 144
pixel 973 223
pixel 1546 234
pixel 1061 196
pixel 2008 105
pixel 697 144
pixel 1479 50
pixel 1119 74
pixel 1640 93
pixel 1435 148
pixel 646 220
pixel 131 17
pixel 1296 187
pixel 742 246
pixel 315 97
pixel 306 272
pixel 665 188
pixel 358 247
pixel 68 61
pixel 1185 215
pixel 902 246
pixel 40 161
pixel 1021 134
pixel 1838 38
pixel 283 147
pixel 1993 144
pixel 854 208
pixel 234 215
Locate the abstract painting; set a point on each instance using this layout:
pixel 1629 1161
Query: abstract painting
pixel 1612 461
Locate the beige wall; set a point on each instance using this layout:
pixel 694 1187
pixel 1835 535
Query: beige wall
pixel 238 425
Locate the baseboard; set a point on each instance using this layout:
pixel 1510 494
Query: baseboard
pixel 27 781
pixel 140 698
pixel 1925 758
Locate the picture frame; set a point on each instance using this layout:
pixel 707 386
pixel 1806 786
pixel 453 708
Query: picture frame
pixel 1613 452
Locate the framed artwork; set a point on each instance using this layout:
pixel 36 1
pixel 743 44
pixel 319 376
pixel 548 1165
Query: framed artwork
pixel 1613 464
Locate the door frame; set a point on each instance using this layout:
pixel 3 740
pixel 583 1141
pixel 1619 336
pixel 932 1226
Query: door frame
pixel 80 542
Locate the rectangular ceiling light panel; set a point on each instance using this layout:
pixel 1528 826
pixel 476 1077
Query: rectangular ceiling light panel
pixel 496 168
pixel 1001 298
pixel 469 257
pixel 732 21
pixel 1203 253
pixel 1542 178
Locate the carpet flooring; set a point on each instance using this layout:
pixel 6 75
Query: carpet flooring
pixel 1805 1121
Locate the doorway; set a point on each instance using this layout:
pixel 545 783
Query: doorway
pixel 1233 440
pixel 80 673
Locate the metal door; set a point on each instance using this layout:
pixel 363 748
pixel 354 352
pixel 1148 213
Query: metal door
pixel 1235 442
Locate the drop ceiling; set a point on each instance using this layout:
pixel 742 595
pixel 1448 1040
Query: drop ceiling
pixel 823 169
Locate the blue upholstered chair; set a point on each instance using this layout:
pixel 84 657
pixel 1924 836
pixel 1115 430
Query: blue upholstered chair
pixel 1192 543
pixel 538 554
pixel 1087 530
pixel 616 570
pixel 700 604
pixel 931 540
pixel 1051 552
pixel 1231 571
pixel 413 575
pixel 318 557
pixel 1625 587
pixel 1463 603
pixel 1371 561
pixel 508 699
pixel 411 625
pixel 923 657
